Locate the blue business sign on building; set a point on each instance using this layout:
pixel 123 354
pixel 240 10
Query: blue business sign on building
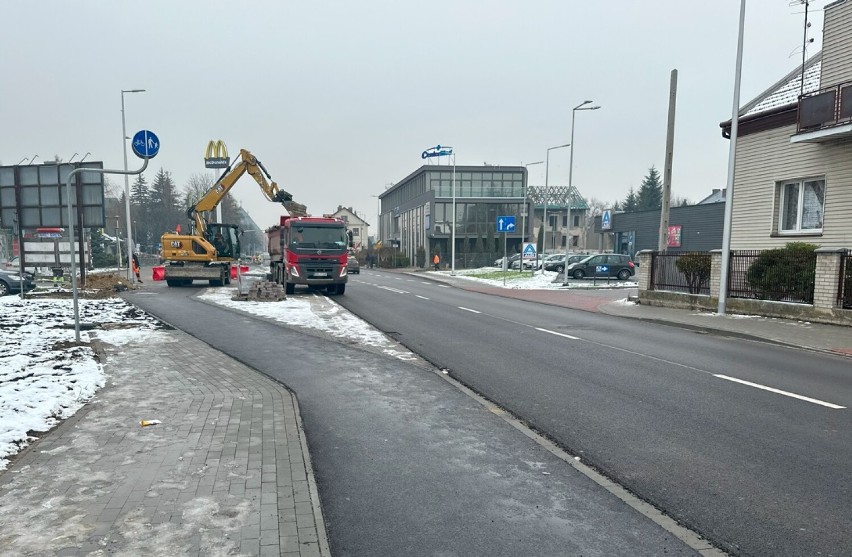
pixel 436 151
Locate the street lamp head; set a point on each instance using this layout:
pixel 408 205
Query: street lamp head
pixel 582 106
pixel 559 147
pixel 133 90
pixel 532 163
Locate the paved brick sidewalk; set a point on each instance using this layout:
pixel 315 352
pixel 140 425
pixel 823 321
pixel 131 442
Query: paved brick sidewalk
pixel 226 472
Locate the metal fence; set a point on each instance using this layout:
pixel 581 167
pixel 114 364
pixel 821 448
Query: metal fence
pixel 692 275
pixel 777 274
pixel 844 290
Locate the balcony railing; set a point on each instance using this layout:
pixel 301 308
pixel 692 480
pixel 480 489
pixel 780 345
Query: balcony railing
pixel 826 108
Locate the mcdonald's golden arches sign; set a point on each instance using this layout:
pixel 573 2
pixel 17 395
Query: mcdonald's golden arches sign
pixel 216 155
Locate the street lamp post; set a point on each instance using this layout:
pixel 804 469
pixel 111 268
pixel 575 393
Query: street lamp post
pixel 447 151
pixel 547 194
pixel 130 276
pixel 581 106
pixel 524 218
pixel 117 245
pixel 453 248
pixel 378 216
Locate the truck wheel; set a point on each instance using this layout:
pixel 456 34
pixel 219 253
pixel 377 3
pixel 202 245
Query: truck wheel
pixel 341 288
pixel 173 282
pixel 289 288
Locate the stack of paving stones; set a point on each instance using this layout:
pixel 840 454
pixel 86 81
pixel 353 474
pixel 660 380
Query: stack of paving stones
pixel 263 292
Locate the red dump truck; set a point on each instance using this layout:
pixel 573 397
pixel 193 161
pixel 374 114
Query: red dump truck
pixel 311 251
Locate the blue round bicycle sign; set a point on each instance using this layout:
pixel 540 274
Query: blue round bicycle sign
pixel 146 144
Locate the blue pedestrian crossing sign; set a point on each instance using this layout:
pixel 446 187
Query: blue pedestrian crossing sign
pixel 506 224
pixel 606 219
pixel 146 144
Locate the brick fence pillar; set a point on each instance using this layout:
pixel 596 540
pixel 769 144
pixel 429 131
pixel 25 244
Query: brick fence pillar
pixel 644 269
pixel 715 272
pixel 826 284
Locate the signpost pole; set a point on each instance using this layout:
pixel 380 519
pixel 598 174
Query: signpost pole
pixel 71 232
pixel 504 259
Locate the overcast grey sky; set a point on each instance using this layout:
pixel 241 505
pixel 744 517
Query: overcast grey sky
pixel 339 98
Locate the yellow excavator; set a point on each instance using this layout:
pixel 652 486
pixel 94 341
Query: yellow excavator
pixel 208 251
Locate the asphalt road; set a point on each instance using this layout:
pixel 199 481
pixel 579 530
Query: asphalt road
pixel 661 410
pixel 406 464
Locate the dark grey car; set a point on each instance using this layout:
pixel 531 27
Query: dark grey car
pixel 10 282
pixel 557 262
pixel 603 265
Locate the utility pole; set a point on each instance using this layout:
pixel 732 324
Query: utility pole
pixel 667 170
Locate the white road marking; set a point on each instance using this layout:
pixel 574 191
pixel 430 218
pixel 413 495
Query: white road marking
pixel 470 310
pixel 398 291
pixel 557 334
pixel 779 391
pixel 444 285
pixel 421 297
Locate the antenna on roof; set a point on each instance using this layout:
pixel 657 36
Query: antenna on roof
pixel 805 42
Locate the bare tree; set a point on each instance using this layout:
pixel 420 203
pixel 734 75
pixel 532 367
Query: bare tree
pixel 596 209
pixel 195 187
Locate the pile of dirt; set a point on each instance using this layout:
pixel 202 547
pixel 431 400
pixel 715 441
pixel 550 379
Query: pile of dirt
pixel 98 285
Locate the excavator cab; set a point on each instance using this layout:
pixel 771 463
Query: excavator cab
pixel 225 239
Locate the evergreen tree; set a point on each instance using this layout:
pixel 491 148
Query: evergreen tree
pixel 165 204
pixel 139 194
pixel 650 194
pixel 539 244
pixel 631 202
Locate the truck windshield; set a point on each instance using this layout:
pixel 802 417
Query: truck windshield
pixel 316 237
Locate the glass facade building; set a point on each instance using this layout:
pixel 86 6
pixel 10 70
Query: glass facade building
pixel 417 212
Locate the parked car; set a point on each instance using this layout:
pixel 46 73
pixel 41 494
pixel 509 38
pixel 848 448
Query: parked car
pixel 10 282
pixel 352 266
pixel 512 259
pixel 603 264
pixel 557 262
pixel 535 263
pixel 527 263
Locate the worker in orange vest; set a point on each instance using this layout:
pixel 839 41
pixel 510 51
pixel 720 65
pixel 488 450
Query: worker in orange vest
pixel 436 261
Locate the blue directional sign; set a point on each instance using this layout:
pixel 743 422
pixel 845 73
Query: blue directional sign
pixel 506 224
pixel 602 269
pixel 146 144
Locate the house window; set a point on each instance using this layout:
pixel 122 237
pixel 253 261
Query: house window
pixel 802 205
pixel 356 231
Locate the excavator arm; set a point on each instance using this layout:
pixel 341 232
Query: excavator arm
pixel 248 163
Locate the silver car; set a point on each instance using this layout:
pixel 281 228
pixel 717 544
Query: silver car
pixel 352 266
pixel 10 282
